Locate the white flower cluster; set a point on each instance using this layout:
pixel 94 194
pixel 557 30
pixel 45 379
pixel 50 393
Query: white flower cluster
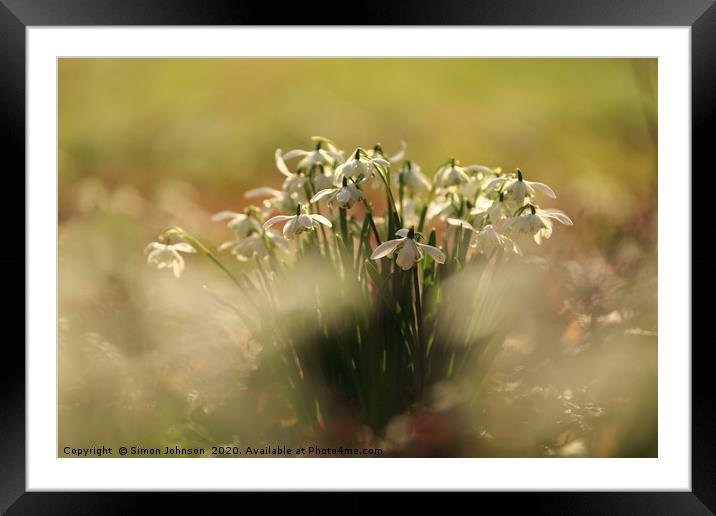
pixel 503 204
pixel 493 207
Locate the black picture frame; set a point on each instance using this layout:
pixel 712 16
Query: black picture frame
pixel 17 15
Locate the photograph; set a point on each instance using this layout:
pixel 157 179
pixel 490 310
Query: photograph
pixel 357 257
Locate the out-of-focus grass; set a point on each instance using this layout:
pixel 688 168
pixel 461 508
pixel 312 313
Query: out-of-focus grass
pixel 144 143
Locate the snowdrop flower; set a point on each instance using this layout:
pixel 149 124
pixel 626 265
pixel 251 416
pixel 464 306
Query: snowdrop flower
pixel 537 222
pixel 460 223
pixel 344 196
pixel 449 203
pixel 295 187
pixel 517 188
pixel 377 152
pixel 479 210
pixel 412 177
pixel 252 246
pixel 277 199
pixel 299 223
pixel 322 178
pixel 359 167
pixel 499 210
pixel 443 207
pixel 488 240
pixel 240 223
pixel 451 174
pixel 318 156
pixel 294 184
pixel 407 251
pixel 167 255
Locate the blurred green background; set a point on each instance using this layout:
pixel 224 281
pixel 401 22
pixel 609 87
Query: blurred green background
pixel 585 125
pixel 145 143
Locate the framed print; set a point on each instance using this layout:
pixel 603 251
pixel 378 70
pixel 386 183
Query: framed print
pixel 396 255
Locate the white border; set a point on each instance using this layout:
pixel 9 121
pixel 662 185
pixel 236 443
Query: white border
pixel 670 471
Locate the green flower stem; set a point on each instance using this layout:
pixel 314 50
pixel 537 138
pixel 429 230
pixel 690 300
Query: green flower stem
pixel 347 241
pixel 342 215
pixel 174 230
pixel 310 190
pixel 419 352
pixel 369 214
pixel 457 242
pixel 423 213
pixel 389 193
pixel 401 195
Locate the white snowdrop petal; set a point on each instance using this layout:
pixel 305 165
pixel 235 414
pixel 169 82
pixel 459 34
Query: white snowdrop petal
pixel 304 221
pixel 323 220
pixel 461 223
pixel 558 215
pixel 290 229
pixel 262 191
pixel 408 255
pixel 178 267
pixel 405 258
pixel 226 245
pixel 275 220
pixel 295 153
pixel 480 168
pixel 543 188
pixel 152 256
pixel 494 183
pixel 223 215
pixel 400 154
pixel 323 193
pixel 153 248
pixel 518 190
pixel 434 252
pixel 343 195
pixel 281 164
pixel 184 247
pixel 385 248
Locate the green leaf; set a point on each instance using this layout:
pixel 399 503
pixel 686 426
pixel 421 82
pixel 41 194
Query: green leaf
pixel 380 284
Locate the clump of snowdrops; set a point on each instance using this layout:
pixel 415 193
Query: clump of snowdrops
pixel 352 306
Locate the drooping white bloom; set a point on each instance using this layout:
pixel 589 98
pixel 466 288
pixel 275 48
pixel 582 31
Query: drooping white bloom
pixel 479 211
pixel 299 223
pixel 516 188
pixel 487 240
pixel 240 223
pixel 167 255
pixel 498 211
pixel 294 184
pixel 537 222
pixel 277 199
pixel 359 166
pixel 412 178
pixel 452 174
pixel 377 152
pixel 443 207
pixel 460 223
pixel 254 245
pixel 344 196
pixel 325 153
pixel 406 250
pixel 323 179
